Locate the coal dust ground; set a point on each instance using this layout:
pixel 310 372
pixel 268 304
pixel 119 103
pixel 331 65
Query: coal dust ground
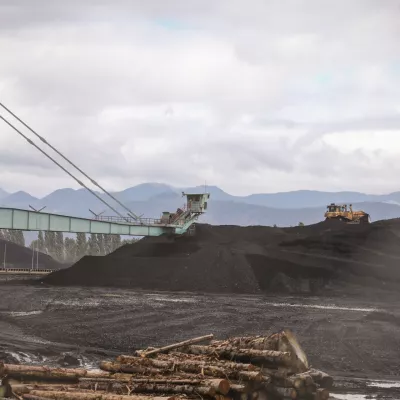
pixel 349 335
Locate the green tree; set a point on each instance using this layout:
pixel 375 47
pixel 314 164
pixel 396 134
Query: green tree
pixel 9 235
pixel 92 249
pixel 41 244
pixel 301 223
pixel 70 249
pixel 116 242
pixel 59 246
pixel 50 243
pixel 100 244
pixel 18 237
pixel 80 246
pixel 108 244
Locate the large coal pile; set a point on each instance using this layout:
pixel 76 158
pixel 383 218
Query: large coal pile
pixel 208 262
pixel 234 259
pixel 357 253
pixel 21 257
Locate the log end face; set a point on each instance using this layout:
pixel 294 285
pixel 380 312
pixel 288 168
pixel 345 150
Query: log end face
pixel 223 386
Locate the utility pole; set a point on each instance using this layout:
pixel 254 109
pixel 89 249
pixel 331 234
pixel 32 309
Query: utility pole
pixel 4 258
pixel 33 256
pixel 37 242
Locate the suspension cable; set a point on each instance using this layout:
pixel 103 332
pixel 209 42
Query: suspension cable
pixel 58 164
pixel 130 213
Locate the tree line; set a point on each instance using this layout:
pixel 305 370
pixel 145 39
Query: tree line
pixel 68 249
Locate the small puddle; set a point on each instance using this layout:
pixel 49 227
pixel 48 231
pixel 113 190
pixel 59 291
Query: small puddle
pixel 23 313
pixel 327 307
pixel 385 384
pixel 172 299
pixel 76 303
pixel 350 396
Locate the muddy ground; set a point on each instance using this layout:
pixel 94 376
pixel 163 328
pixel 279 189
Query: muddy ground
pixel 353 335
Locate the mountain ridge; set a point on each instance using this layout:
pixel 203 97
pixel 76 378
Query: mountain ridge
pixel 150 199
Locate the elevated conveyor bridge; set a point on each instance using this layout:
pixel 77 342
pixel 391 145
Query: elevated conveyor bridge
pixel 170 223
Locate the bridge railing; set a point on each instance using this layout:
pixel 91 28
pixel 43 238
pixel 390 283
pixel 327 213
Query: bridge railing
pixel 128 220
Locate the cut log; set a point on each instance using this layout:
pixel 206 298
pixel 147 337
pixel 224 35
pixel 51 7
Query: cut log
pixel 285 392
pixel 290 382
pixel 288 343
pixel 176 345
pixel 58 395
pixel 175 359
pixel 302 392
pixel 251 342
pixel 223 370
pixel 276 373
pixel 221 386
pixel 323 379
pixel 322 394
pixel 122 388
pixel 134 368
pixel 305 377
pixel 233 353
pixel 311 389
pixel 29 396
pixel 256 376
pixel 26 388
pixel 297 381
pixel 2 370
pixel 235 387
pixel 263 395
pixel 17 371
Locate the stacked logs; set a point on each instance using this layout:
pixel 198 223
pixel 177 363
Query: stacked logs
pixel 243 368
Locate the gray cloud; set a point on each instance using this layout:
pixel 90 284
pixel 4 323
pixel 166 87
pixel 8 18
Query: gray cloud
pixel 250 95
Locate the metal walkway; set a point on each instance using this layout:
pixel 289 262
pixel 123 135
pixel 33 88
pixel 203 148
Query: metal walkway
pixel 175 224
pixel 25 271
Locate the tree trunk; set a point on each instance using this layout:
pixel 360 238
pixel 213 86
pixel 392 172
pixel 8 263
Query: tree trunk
pixel 323 379
pixel 322 394
pixel 216 385
pixel 222 371
pixel 251 342
pixel 284 392
pixel 59 395
pixel 232 353
pixel 29 396
pixel 297 381
pixel 256 376
pixel 176 345
pixel 26 388
pixel 181 358
pixel 122 388
pixel 44 372
pixel 239 388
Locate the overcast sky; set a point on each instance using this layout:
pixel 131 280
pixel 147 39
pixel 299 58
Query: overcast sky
pixel 249 95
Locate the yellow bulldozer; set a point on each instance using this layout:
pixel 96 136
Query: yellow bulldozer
pixel 344 213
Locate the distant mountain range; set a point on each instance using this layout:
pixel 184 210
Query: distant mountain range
pixel 150 199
